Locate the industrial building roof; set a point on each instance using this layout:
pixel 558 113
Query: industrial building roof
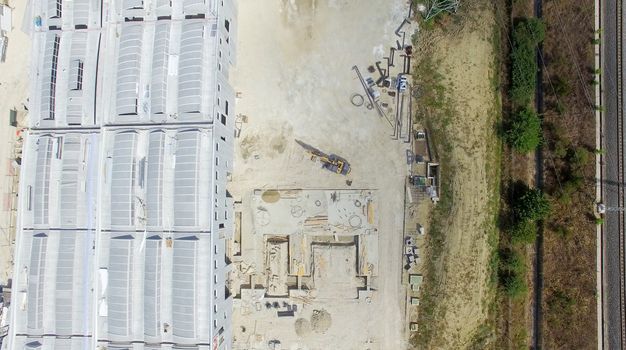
pixel 162 71
pixel 153 233
pixel 119 195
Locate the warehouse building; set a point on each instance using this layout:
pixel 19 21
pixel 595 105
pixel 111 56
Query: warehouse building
pixel 124 208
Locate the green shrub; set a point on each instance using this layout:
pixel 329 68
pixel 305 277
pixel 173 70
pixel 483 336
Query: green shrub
pixel 578 158
pixel 524 131
pixel 561 86
pixel 511 262
pixel 561 307
pixel 561 148
pixel 563 231
pixel 523 232
pixel 514 285
pixel 570 186
pixel 560 108
pixel 531 205
pixel 527 33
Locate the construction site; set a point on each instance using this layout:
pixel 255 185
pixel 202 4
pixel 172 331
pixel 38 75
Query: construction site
pixel 315 226
pixel 333 178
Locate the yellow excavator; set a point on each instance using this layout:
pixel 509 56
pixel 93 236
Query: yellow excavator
pixel 330 162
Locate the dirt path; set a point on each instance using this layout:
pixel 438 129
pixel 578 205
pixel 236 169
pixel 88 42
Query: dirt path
pixel 460 293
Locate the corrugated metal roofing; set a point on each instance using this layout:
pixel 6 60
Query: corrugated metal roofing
pixel 49 75
pixel 74 112
pixel 190 67
pixel 184 287
pixel 35 283
pixel 186 178
pixel 128 63
pixel 65 283
pixel 69 180
pixel 81 12
pixel 119 288
pixel 152 287
pixel 117 220
pixel 42 180
pixel 154 189
pixel 158 90
pixel 123 179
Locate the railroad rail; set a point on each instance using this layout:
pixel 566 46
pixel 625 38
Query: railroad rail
pixel 620 166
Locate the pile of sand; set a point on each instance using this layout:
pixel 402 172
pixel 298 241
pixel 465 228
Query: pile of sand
pixel 303 327
pixel 320 321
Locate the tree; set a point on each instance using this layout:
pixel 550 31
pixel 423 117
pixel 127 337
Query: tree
pixel 524 131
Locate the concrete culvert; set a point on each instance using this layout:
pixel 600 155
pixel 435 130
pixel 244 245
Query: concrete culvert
pixel 320 321
pixel 303 327
pixel 270 196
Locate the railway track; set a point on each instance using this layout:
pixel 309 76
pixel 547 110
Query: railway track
pixel 620 167
pixel 537 335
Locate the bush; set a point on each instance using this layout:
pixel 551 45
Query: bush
pixel 569 187
pixel 524 131
pixel 563 231
pixel 561 307
pixel 561 148
pixel 561 86
pixel 531 205
pixel 527 33
pixel 511 262
pixel 514 285
pixel 524 232
pixel 511 272
pixel 560 108
pixel 578 158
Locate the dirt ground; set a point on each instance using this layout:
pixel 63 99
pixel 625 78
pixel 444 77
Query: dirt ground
pixel 13 92
pixel 295 78
pixel 569 302
pixel 463 56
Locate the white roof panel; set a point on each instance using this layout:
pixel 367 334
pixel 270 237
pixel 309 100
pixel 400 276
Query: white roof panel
pixel 186 178
pixel 119 298
pixel 123 179
pixel 158 90
pixel 42 180
pixel 190 67
pixel 65 283
pixel 81 12
pixel 128 69
pixel 37 268
pixel 154 190
pixel 184 288
pixel 49 75
pixel 68 192
pixel 152 287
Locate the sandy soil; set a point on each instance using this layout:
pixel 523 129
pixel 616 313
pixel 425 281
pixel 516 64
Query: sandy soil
pixel 465 61
pixel 14 92
pixel 294 72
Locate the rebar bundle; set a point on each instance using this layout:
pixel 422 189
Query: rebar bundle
pixel 435 7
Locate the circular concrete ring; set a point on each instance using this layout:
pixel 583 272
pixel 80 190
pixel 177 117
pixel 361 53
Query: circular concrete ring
pixel 357 99
pixel 355 221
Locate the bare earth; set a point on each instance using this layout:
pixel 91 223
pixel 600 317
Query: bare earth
pixel 294 73
pixel 465 60
pixel 13 93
